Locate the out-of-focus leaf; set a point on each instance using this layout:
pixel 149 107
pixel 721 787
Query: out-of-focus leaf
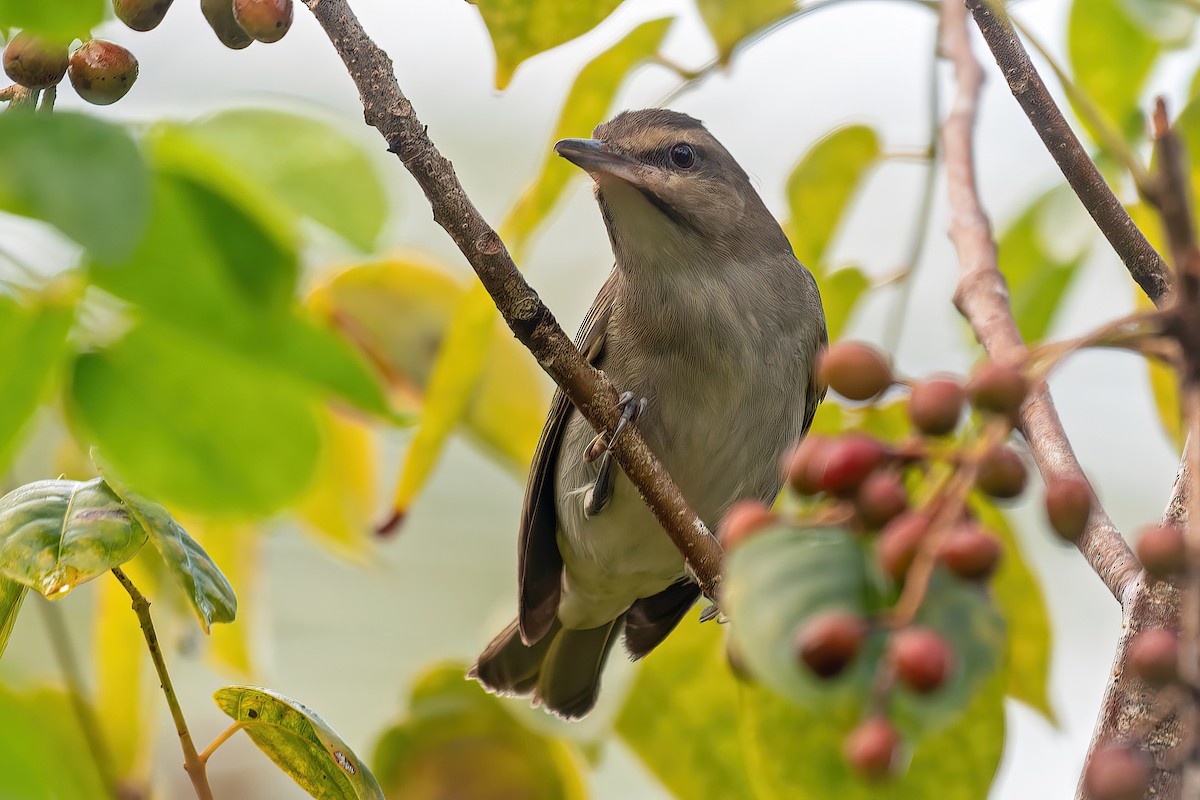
pixel 1034 263
pixel 300 743
pixel 586 104
pixel 208 591
pixel 34 331
pixel 776 581
pixel 1170 22
pixel 888 422
pixel 399 311
pixel 1164 385
pixel 43 754
pixel 1096 29
pixel 339 508
pixel 730 21
pixel 524 28
pixel 194 424
pixel 822 186
pixel 81 175
pixel 1194 86
pixel 840 291
pixel 310 166
pixel 59 19
pixel 458 741
pixel 122 697
pixel 682 718
pixel 55 535
pixel 1020 599
pixel 237 547
pixel 12 594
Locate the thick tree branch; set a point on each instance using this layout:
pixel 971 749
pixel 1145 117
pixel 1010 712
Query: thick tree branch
pixel 389 111
pixel 982 298
pixel 1141 259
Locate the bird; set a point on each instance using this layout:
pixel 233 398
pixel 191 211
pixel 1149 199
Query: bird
pixel 712 328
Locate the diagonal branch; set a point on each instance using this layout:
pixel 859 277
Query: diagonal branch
pixel 387 109
pixel 982 298
pixel 1140 258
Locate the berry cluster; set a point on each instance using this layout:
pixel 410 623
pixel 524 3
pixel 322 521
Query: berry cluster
pixel 908 501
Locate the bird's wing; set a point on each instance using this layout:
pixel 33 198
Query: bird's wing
pixel 816 390
pixel 539 564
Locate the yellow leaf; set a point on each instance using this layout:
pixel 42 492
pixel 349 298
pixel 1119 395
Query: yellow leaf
pixel 1164 383
pixel 235 548
pixel 338 509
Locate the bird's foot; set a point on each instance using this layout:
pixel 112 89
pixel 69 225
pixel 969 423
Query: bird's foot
pixel 601 492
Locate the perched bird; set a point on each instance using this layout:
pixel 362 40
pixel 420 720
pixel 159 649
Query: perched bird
pixel 712 328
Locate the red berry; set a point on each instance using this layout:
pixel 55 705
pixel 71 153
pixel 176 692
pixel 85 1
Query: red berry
pixel 141 15
pixel 855 370
pixel 970 553
pixel 743 519
pixel 219 14
pixel 998 389
pixel 805 463
pixel 873 749
pixel 830 641
pixel 935 406
pixel 847 461
pixel 102 72
pixel 922 659
pixel 1161 550
pixel 1001 474
pixel 265 20
pixel 898 544
pixel 33 62
pixel 880 498
pixel 1068 506
pixel 1117 773
pixel 1154 655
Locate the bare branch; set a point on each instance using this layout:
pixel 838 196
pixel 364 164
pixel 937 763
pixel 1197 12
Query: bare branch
pixel 1141 259
pixel 387 109
pixel 982 298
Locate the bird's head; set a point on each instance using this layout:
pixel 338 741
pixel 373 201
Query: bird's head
pixel 665 185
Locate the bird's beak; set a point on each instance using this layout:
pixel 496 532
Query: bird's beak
pixel 594 156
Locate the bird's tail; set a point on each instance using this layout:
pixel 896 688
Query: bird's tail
pixel 561 671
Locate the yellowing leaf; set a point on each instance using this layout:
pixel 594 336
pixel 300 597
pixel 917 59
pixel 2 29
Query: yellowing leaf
pixel 339 507
pixel 237 547
pixel 1164 384
pixel 586 105
pixel 524 28
pixel 730 21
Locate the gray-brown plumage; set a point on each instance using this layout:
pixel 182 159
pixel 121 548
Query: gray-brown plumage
pixel 710 318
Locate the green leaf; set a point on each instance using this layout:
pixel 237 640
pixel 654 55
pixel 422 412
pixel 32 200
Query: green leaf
pixel 1169 21
pixel 55 535
pixel 1096 30
pixel 588 102
pixel 61 19
pixel 1021 601
pixel 34 329
pixel 309 167
pixel 209 592
pixel 12 594
pixel 194 424
pixel 730 21
pixel 840 291
pixel 776 581
pixel 81 175
pixel 524 28
pixel 1039 262
pixel 43 753
pixel 300 743
pixel 822 186
pixel 459 741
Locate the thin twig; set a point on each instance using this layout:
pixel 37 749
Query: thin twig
pixel 60 642
pixel 191 760
pixel 389 111
pixel 1141 259
pixel 982 298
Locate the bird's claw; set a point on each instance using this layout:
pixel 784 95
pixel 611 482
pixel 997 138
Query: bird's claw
pixel 601 492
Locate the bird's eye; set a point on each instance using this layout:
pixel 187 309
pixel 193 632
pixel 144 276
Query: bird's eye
pixel 683 156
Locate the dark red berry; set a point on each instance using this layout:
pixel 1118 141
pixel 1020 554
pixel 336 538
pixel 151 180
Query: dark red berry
pixel 935 406
pixel 805 464
pixel 873 749
pixel 898 543
pixel 1161 550
pixel 265 20
pixel 1117 773
pixel 881 497
pixel 997 389
pixel 743 519
pixel 34 62
pixel 847 461
pixel 922 659
pixel 1068 506
pixel 829 642
pixel 102 72
pixel 1154 655
pixel 1001 473
pixel 855 370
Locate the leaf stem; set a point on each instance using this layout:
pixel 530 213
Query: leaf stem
pixel 220 740
pixel 60 642
pixel 191 760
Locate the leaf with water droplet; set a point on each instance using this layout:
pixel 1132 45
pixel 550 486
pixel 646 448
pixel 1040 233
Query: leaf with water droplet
pixel 208 590
pixel 300 743
pixel 55 535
